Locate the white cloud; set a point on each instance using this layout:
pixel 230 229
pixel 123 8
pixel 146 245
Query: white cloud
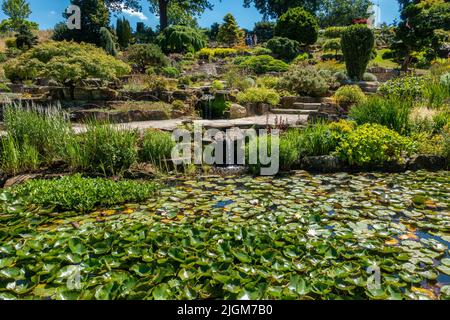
pixel 134 13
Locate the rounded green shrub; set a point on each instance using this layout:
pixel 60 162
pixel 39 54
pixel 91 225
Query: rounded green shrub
pixel 357 42
pixel 259 95
pixel 66 63
pixel 350 95
pixel 373 144
pixel 143 56
pixel 263 64
pixel 181 39
pixel 298 24
pixel 304 79
pixel 284 48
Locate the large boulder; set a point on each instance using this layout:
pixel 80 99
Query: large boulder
pixel 237 111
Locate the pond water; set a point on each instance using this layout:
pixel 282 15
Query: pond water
pixel 338 236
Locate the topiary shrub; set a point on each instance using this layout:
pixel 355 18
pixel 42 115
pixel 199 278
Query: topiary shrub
pixel 333 32
pixel 66 63
pixel 298 24
pixel 181 39
pixel 348 96
pixel 357 42
pixel 373 144
pixel 143 56
pixel 263 64
pixel 259 95
pixel 304 79
pixel 284 48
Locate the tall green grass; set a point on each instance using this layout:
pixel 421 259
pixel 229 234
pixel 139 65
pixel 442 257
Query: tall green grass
pixel 390 112
pixel 104 148
pixel 156 148
pixel 44 129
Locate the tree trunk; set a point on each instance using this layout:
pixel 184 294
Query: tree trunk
pixel 163 19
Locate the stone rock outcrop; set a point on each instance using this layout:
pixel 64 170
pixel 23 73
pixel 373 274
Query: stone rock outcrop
pixel 237 111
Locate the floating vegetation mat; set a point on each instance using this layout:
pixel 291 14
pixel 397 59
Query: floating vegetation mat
pixel 340 236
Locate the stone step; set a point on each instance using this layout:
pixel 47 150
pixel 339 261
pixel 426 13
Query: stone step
pixel 306 106
pixel 293 111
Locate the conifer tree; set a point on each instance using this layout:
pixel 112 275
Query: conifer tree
pixel 229 32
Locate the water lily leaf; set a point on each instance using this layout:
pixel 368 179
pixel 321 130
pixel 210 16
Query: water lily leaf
pixel 161 292
pixel 76 246
pixel 298 285
pixel 103 292
pixel 241 256
pixel 444 269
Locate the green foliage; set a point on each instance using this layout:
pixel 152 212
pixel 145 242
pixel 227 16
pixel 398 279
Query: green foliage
pixel 261 51
pixel 229 32
pixel 17 11
pixel 107 149
pixel 333 45
pixel 4 88
pixel 156 147
pixel 143 34
pixel 298 24
pixel 408 87
pixel 18 157
pixel 94 16
pixel 44 130
pixel 436 93
pixel 210 53
pixel 123 32
pixel 390 112
pixel 304 79
pixel 170 72
pixel 263 64
pixel 143 56
pixel 333 32
pixel 268 82
pixel 217 85
pixel 349 95
pixel 25 39
pixel 357 42
pixel 342 12
pixel 264 30
pixel 83 194
pixel 373 144
pixel 107 42
pixel 284 48
pixel 369 77
pixel 430 19
pixel 259 95
pixel 181 39
pixel 65 62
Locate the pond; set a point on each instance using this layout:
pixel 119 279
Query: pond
pixel 302 236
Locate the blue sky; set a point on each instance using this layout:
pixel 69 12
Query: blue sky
pixel 48 13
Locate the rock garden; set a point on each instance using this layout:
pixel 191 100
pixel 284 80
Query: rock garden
pixel 90 191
